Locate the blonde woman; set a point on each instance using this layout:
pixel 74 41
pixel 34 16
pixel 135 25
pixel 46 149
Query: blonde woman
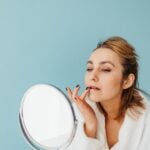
pixel 113 114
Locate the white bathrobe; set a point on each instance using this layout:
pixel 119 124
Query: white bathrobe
pixel 133 134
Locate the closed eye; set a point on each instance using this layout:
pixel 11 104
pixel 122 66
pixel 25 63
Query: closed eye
pixel 104 70
pixel 88 69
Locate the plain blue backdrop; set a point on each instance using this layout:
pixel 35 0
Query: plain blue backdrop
pixel 49 41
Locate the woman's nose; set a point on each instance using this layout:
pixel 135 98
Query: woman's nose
pixel 94 76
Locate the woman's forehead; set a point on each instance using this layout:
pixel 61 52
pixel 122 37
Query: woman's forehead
pixel 103 55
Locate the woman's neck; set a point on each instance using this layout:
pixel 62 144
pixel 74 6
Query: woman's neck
pixel 111 108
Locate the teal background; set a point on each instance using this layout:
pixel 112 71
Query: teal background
pixel 49 41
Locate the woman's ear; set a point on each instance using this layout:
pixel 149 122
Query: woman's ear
pixel 127 83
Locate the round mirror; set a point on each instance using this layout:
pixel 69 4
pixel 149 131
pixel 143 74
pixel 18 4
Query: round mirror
pixel 47 118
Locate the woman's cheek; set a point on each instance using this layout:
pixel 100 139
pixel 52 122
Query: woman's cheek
pixel 86 80
pixel 112 87
pixel 108 85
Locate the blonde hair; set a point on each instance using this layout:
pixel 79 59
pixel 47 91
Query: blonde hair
pixel 130 97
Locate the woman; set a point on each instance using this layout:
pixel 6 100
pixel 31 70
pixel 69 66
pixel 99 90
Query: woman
pixel 112 113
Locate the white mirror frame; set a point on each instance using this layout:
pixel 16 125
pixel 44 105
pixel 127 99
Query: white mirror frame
pixel 34 145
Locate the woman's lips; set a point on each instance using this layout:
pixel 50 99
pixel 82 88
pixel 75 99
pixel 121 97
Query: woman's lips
pixel 93 88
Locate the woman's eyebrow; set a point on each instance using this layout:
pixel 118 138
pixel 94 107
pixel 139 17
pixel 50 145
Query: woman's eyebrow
pixel 102 62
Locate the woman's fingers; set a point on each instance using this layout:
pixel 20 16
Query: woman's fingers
pixel 75 92
pixel 69 93
pixel 85 93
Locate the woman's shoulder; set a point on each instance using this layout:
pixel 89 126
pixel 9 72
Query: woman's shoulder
pixel 146 100
pixel 142 111
pixel 146 132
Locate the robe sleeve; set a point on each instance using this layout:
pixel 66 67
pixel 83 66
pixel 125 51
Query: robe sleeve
pixel 81 141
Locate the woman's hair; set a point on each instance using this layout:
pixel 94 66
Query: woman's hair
pixel 130 97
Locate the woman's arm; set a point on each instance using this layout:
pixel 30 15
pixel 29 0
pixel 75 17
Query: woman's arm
pixel 90 129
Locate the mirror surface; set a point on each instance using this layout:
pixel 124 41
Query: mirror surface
pixel 47 118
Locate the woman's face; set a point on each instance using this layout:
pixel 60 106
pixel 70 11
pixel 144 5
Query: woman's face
pixel 104 71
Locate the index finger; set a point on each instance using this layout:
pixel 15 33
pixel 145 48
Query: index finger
pixel 85 93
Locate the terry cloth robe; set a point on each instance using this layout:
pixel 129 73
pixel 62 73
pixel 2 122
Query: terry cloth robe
pixel 134 134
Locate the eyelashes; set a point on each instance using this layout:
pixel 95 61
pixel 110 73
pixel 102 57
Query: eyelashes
pixel 88 69
pixel 104 70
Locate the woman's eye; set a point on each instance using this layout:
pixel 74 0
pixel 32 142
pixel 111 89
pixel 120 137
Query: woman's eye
pixel 106 70
pixel 88 69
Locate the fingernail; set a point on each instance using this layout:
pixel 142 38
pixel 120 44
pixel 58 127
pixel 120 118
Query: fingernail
pixel 77 85
pixel 87 88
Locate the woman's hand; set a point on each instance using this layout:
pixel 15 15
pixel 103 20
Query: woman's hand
pixel 86 110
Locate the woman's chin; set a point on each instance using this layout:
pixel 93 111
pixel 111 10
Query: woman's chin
pixel 94 99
